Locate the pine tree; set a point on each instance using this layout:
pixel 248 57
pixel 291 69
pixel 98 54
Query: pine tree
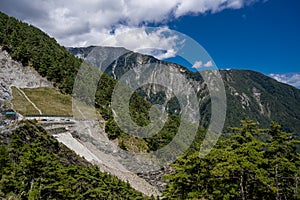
pixel 284 162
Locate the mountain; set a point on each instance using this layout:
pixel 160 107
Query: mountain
pixel 249 94
pixel 263 98
pixel 33 163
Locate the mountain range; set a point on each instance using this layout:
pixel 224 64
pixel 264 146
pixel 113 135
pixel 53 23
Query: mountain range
pixel 249 94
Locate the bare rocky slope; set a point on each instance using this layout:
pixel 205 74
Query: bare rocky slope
pixel 13 73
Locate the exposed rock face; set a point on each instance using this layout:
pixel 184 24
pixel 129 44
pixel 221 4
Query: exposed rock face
pixel 13 73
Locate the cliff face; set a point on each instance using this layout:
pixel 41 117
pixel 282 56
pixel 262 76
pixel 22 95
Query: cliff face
pixel 13 73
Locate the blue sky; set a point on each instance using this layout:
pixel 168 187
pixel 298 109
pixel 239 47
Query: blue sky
pixel 264 36
pixel 261 35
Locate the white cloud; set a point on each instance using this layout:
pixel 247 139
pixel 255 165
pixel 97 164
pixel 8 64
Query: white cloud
pixel 146 40
pixel 209 64
pixel 288 78
pixel 196 6
pixel 199 64
pixel 83 23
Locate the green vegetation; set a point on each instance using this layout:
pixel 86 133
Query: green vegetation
pixel 250 163
pixel 48 100
pixel 21 104
pixel 280 101
pixel 273 101
pixel 133 144
pixel 139 110
pixel 34 165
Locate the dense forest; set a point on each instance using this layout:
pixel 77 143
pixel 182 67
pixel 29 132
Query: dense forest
pixel 250 163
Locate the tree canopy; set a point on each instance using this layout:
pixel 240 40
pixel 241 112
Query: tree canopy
pixel 250 163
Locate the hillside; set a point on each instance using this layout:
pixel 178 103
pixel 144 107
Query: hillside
pixel 47 101
pixel 262 98
pixel 14 73
pixel 53 62
pixel 32 47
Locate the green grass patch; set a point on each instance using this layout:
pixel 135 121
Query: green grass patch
pixel 48 100
pixel 20 103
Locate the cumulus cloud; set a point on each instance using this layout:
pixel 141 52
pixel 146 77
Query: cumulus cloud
pixel 84 23
pixel 288 78
pixel 199 64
